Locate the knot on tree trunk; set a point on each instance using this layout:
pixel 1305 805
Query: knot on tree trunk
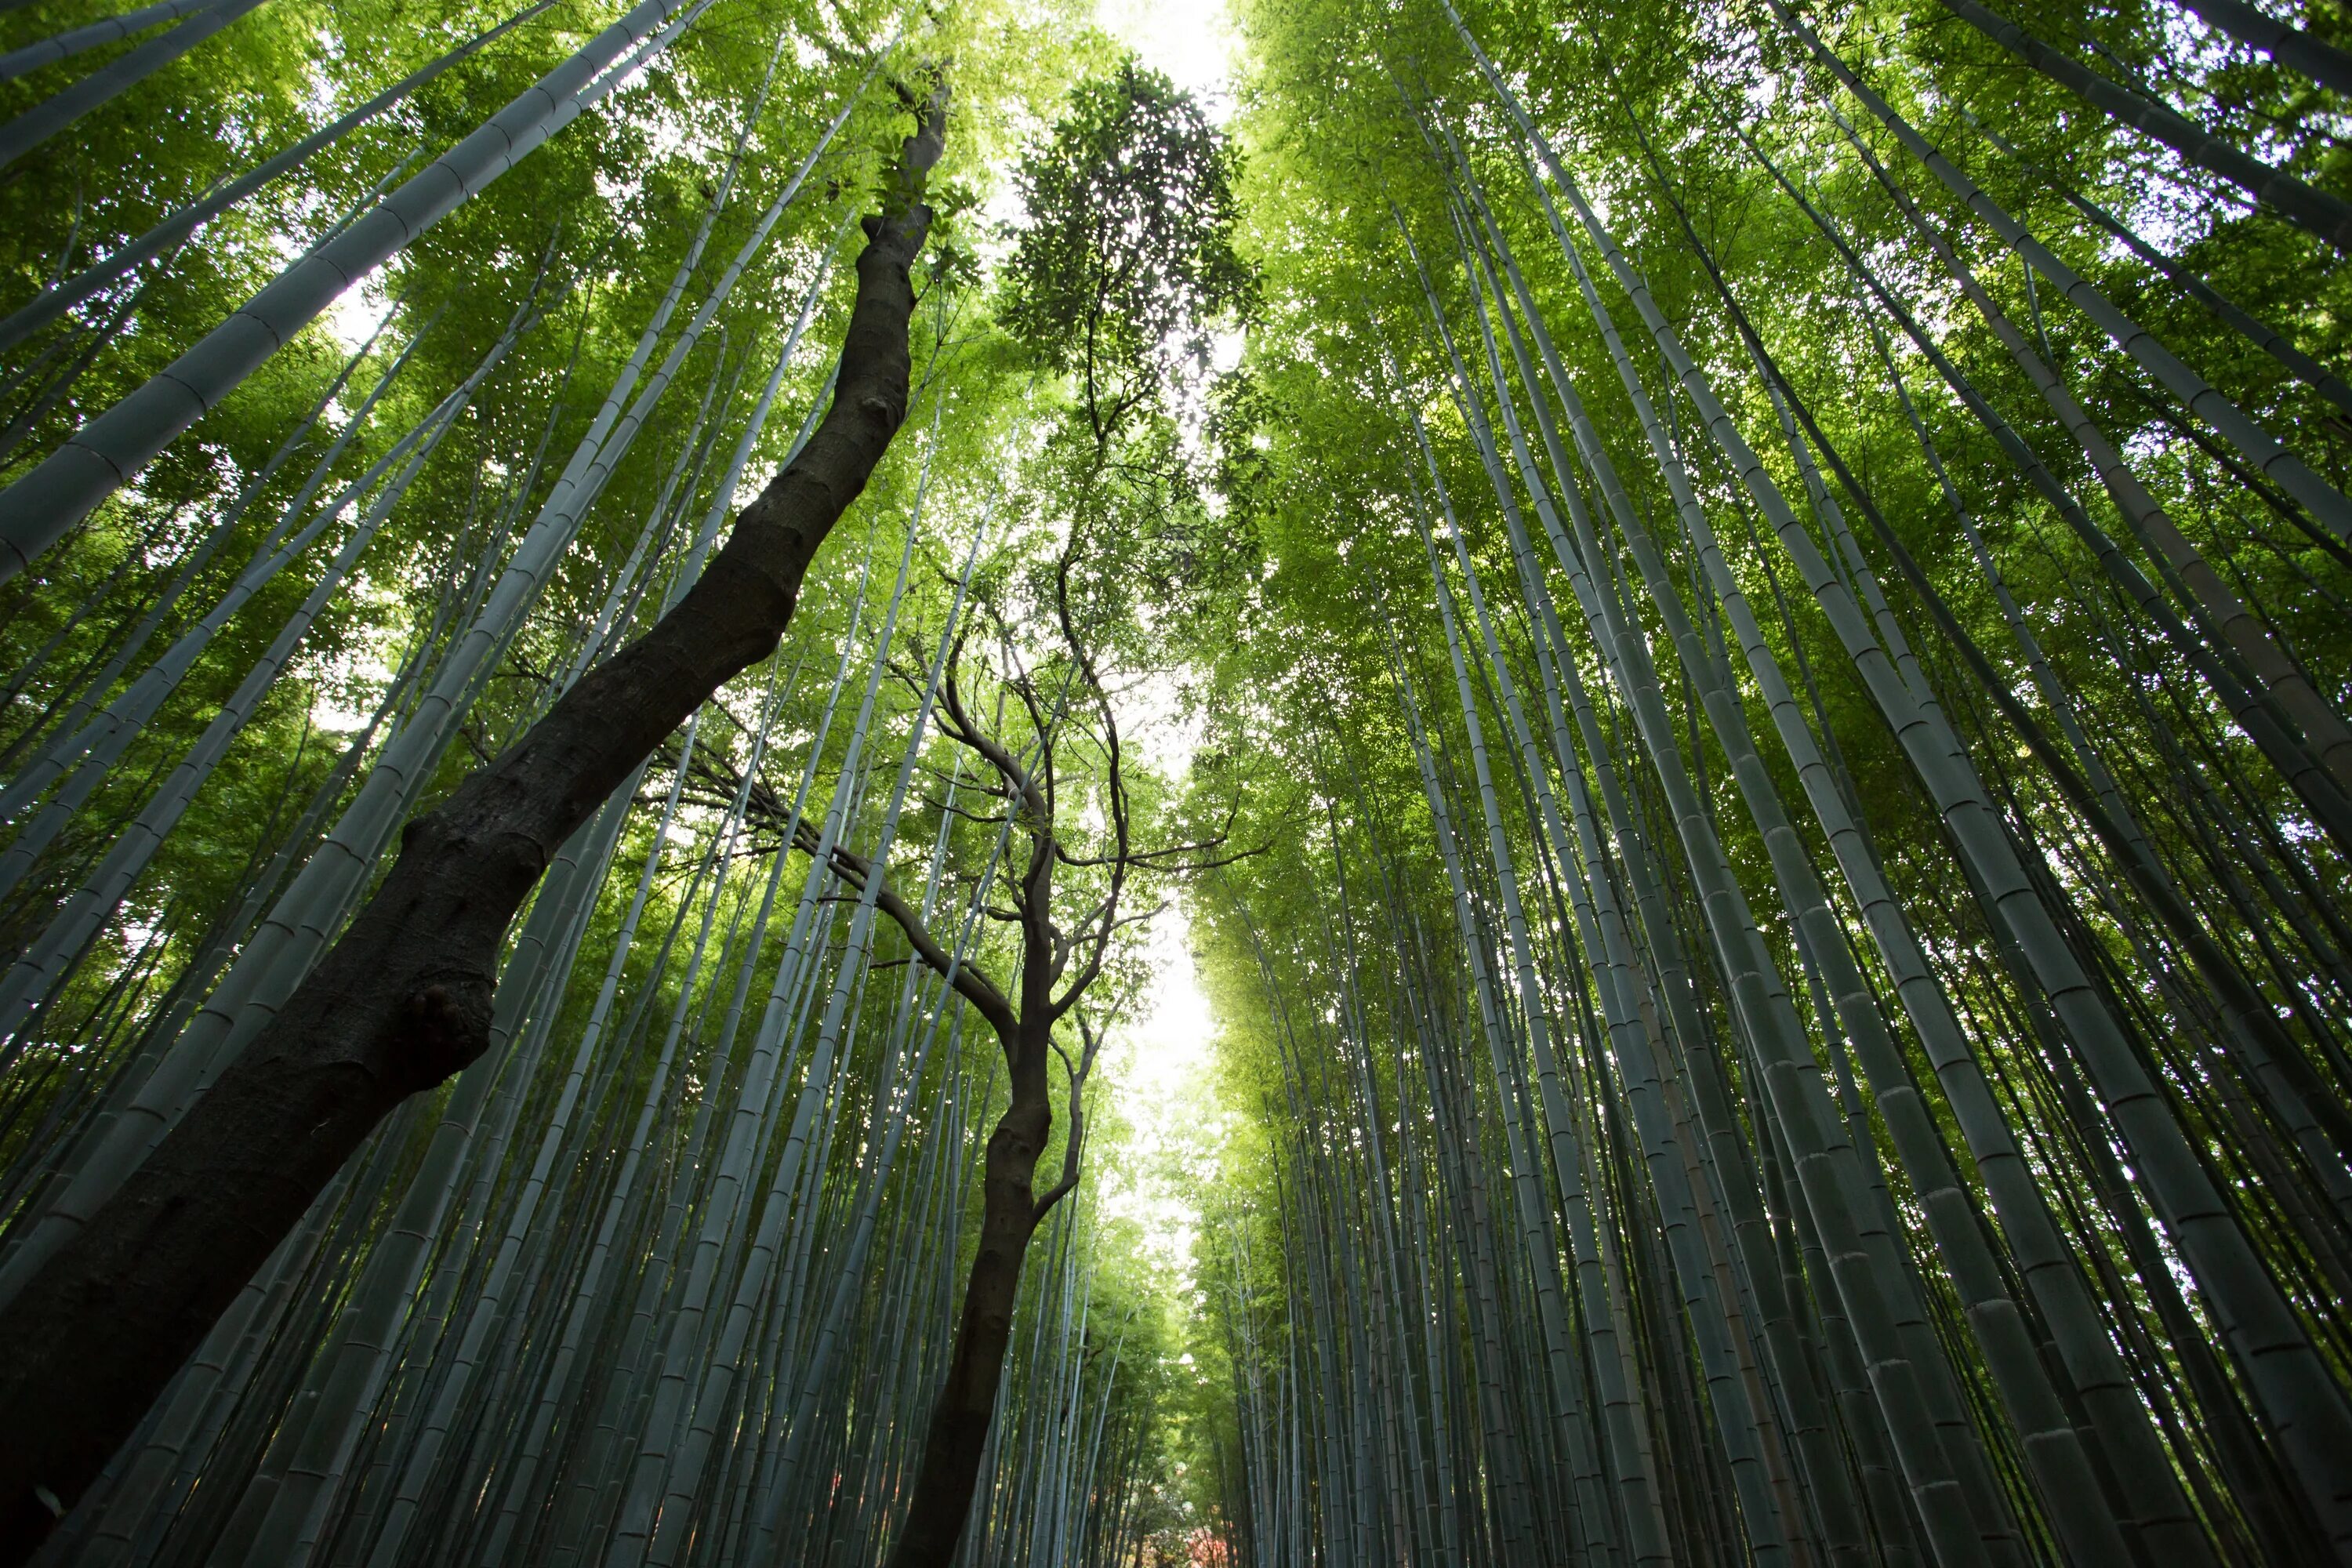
pixel 435 1032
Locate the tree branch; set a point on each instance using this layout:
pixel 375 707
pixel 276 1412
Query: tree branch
pixel 970 983
pixel 1074 1145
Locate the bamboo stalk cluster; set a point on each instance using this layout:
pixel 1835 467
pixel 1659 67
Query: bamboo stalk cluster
pixel 1731 1154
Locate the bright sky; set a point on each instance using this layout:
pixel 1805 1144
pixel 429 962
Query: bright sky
pixel 1191 41
pixel 1157 1068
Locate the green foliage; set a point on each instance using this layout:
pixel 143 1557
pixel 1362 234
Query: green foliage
pixel 1243 545
pixel 1125 265
pixel 1348 108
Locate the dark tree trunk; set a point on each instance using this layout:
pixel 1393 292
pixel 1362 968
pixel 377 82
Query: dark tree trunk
pixel 403 999
pixel 958 1436
pixel 1011 1208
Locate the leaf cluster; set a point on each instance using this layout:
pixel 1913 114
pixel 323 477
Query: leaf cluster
pixel 1126 265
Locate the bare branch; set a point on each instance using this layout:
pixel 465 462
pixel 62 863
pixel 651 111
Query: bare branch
pixel 970 983
pixel 960 728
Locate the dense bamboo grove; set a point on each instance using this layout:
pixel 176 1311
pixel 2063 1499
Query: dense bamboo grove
pixel 1727 624
pixel 1811 979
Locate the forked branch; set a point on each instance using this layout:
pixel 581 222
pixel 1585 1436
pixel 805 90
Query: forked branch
pixel 1074 1147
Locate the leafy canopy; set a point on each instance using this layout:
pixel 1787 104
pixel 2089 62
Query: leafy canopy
pixel 1126 265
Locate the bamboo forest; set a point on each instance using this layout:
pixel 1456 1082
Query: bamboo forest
pixel 1242 783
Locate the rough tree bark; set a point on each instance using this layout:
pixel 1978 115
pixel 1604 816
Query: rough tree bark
pixel 403 999
pixel 957 1437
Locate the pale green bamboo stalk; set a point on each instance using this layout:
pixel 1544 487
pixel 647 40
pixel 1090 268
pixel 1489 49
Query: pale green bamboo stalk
pixel 487 1298
pixel 170 232
pixel 282 951
pixel 103 892
pixel 2315 211
pixel 79 40
pixel 627 1542
pixel 1824 1466
pixel 78 732
pixel 1764 1004
pixel 2259 334
pixel 117 76
pixel 2213 607
pixel 1593 1511
pixel 2289 45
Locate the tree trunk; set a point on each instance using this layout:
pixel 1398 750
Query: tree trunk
pixel 403 999
pixel 957 1436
